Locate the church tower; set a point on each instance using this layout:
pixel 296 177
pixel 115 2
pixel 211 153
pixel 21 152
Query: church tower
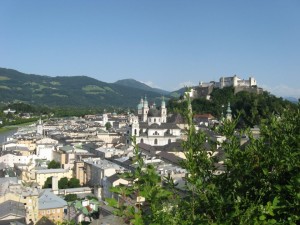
pixel 140 109
pixel 228 113
pixel 145 110
pixel 135 127
pixel 39 127
pixel 104 119
pixel 163 111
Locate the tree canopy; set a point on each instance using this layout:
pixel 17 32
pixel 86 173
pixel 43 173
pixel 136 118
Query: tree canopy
pixel 53 165
pixel 252 108
pixel 260 182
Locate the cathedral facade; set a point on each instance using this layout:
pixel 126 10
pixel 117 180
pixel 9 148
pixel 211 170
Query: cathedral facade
pixel 150 125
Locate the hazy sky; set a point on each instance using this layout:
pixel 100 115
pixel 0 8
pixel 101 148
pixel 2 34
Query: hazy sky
pixel 164 43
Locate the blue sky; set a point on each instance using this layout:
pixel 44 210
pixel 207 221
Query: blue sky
pixel 164 43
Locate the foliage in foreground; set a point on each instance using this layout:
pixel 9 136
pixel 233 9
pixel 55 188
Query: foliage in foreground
pixel 260 185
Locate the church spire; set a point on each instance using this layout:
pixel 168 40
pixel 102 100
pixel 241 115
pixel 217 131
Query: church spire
pixel 146 102
pixel 228 112
pixel 163 103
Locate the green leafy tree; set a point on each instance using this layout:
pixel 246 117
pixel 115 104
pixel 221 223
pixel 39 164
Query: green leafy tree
pixel 71 197
pixel 48 183
pixel 260 182
pixel 63 183
pixel 253 108
pixel 53 165
pixel 73 183
pixel 108 125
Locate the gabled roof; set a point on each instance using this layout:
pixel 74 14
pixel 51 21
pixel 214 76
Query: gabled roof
pixel 5 182
pixel 171 147
pixel 48 200
pixel 48 141
pixel 12 208
pixel 176 118
pixel 113 178
pixel 146 147
pixel 170 157
pixel 66 148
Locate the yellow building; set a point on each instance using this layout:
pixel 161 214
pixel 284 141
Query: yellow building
pixel 80 172
pixel 41 175
pixel 29 143
pixel 51 206
pixel 26 195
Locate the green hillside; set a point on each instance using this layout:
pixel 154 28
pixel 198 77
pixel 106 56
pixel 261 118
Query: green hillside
pixel 78 91
pixel 136 84
pixel 250 107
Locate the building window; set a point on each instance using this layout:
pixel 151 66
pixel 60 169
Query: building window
pixel 169 141
pixel 134 131
pixel 48 211
pixel 58 210
pixel 155 141
pixel 142 140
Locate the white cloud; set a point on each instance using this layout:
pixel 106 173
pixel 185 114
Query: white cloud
pixel 283 91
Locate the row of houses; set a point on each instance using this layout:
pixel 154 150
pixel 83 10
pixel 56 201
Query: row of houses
pixel 86 150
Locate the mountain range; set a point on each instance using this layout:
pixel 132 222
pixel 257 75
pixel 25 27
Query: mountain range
pixel 78 91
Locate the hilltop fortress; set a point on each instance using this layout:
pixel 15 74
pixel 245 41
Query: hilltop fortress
pixel 205 89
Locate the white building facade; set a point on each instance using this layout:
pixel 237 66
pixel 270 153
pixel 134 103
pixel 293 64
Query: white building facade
pixel 150 125
pixel 45 148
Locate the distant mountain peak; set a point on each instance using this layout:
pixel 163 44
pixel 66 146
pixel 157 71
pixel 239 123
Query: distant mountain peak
pixel 140 85
pixel 291 99
pixel 79 91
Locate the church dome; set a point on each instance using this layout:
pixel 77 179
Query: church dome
pixel 154 113
pixel 140 106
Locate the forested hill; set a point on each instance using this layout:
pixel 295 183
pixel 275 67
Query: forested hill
pixel 250 107
pixel 136 84
pixel 73 91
